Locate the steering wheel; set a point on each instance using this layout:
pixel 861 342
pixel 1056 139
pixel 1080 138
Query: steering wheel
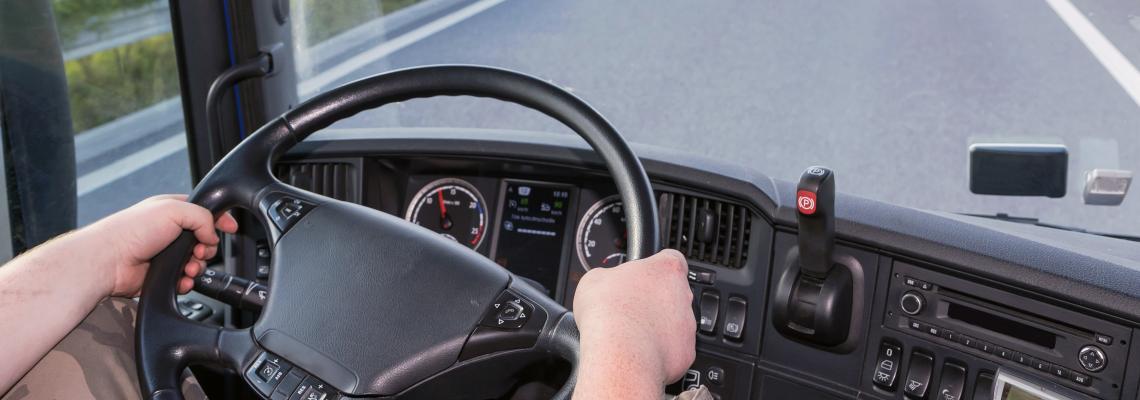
pixel 363 303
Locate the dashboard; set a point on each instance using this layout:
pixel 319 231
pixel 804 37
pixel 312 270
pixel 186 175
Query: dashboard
pixel 547 224
pixel 944 306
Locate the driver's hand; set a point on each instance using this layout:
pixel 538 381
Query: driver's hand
pixel 637 327
pixel 125 242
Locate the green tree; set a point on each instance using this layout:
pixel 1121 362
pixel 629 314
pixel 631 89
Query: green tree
pixel 116 82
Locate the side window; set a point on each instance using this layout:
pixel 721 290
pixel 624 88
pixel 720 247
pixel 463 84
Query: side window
pixel 123 92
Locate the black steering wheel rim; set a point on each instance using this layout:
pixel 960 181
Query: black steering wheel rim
pixel 167 343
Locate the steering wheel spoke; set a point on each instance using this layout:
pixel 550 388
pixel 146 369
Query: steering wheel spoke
pixel 167 342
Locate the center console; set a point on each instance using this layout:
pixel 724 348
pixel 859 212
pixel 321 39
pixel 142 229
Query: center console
pixel 947 338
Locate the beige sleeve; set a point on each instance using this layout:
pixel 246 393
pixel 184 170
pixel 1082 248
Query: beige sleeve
pixel 96 360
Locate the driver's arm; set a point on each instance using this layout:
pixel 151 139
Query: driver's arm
pixel 47 291
pixel 637 327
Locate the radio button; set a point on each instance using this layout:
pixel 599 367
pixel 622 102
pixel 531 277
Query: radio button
pixel 967 341
pixel 1004 353
pixel 985 347
pixel 910 281
pixel 1092 358
pixel 1080 379
pixel 912 303
pixel 917 325
pixel 1104 339
pixel 1042 366
pixel 1023 359
pixel 949 334
pixel 918 375
pixel 1060 372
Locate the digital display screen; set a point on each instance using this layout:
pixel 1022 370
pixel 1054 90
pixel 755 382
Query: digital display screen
pixel 532 231
pixel 1008 386
pixel 1011 392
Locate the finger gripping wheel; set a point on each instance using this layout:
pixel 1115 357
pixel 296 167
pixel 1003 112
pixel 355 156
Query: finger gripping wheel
pixel 383 275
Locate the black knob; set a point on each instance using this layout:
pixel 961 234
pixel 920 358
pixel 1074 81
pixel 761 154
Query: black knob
pixel 912 303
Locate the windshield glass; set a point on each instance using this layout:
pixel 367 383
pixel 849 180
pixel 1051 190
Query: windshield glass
pixel 890 96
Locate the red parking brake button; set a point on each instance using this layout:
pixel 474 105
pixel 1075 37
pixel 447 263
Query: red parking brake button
pixel 805 202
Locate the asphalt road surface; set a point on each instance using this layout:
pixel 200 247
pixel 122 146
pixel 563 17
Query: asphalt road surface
pixel 889 94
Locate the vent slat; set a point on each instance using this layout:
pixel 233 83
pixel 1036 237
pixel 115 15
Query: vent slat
pixel 330 179
pixel 716 239
pixel 740 238
pixel 665 208
pixel 680 206
pixel 340 180
pixel 728 250
pixel 729 245
pixel 692 224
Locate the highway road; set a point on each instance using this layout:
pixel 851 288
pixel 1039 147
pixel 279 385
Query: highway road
pixel 890 94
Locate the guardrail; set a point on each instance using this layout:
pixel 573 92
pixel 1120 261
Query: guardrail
pixel 123 28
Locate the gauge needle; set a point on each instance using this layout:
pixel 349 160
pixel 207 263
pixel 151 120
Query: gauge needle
pixel 444 221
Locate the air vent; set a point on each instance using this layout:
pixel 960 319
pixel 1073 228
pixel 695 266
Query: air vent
pixel 710 231
pixel 330 179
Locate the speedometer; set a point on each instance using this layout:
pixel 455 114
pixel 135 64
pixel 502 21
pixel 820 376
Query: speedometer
pixel 601 237
pixel 453 208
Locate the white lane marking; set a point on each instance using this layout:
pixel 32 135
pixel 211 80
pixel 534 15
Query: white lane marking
pixel 128 165
pixel 331 75
pixel 1109 56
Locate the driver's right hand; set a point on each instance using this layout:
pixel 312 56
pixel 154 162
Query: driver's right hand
pixel 636 321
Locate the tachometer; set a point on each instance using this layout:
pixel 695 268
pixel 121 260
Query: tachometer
pixel 601 237
pixel 453 208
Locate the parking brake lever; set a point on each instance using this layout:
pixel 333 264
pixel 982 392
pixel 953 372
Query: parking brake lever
pixel 815 205
pixel 814 297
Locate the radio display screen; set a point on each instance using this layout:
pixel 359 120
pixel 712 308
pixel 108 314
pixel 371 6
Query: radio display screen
pixel 532 230
pixel 1009 386
pixel 1010 392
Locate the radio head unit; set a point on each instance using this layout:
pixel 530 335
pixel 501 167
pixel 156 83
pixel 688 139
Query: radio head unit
pixel 1042 341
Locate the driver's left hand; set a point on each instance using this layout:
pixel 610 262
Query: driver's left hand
pixel 125 242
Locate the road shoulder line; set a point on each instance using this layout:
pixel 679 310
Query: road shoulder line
pixel 1101 48
pixel 316 83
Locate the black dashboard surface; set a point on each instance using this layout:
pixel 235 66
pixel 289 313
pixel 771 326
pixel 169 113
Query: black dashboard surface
pixel 1025 267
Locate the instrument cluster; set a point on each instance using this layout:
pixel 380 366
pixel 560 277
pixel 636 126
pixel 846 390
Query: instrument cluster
pixel 527 226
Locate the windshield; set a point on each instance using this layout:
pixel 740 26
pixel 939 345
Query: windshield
pixel 890 96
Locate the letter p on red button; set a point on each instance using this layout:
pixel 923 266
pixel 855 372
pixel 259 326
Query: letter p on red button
pixel 805 202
